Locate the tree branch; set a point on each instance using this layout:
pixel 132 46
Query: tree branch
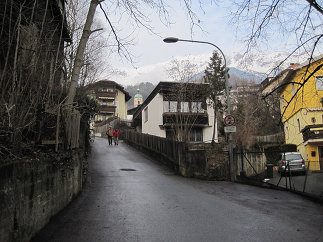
pixel 315 5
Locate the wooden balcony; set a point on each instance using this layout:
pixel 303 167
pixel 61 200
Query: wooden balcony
pixel 105 95
pixel 194 119
pixel 107 109
pixel 313 133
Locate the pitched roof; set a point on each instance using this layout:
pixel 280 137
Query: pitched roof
pixel 162 87
pixel 272 84
pixel 106 84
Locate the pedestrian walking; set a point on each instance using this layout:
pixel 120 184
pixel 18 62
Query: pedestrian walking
pixel 110 135
pixel 116 134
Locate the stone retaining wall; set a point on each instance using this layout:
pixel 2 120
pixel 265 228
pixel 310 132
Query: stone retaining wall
pixel 33 190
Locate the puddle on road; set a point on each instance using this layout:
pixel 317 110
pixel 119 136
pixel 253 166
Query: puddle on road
pixel 127 169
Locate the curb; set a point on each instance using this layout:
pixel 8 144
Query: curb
pixel 312 197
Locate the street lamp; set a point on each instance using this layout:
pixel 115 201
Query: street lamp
pixel 174 40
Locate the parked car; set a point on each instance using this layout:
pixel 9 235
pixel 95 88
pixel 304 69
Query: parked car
pixel 291 162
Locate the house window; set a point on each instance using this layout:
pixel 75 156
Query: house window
pixel 298 125
pixel 104 89
pixel 319 83
pixel 116 103
pixel 194 107
pixel 166 106
pixel 196 135
pixel 313 120
pixel 104 117
pixel 200 108
pixel 184 107
pixel 104 103
pixel 173 106
pixel 146 114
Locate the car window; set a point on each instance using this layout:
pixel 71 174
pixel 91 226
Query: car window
pixel 293 157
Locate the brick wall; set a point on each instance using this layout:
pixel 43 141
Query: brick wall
pixel 32 191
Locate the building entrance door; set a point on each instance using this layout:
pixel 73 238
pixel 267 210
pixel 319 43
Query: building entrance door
pixel 321 157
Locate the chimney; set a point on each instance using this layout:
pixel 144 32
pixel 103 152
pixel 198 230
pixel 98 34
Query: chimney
pixel 292 65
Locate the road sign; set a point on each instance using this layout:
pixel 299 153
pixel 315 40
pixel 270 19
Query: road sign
pixel 229 120
pixel 230 129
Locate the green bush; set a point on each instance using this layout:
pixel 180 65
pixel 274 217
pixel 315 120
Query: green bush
pixel 273 151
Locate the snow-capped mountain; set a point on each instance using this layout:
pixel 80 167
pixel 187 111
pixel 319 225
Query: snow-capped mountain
pixel 254 67
pixel 268 64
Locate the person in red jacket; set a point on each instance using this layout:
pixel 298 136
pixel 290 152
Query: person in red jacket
pixel 116 134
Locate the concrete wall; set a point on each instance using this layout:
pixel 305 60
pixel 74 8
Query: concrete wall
pixel 251 163
pixel 33 190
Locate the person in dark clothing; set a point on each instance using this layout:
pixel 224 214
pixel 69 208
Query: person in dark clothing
pixel 110 135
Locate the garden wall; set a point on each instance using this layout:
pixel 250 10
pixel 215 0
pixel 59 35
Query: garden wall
pixel 33 190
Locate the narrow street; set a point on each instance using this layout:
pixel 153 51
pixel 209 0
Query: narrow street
pixel 131 197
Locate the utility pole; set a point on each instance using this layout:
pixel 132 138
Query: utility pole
pixel 227 91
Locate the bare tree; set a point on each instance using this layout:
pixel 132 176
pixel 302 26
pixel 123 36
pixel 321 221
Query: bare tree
pixel 96 50
pixel 32 35
pixel 185 101
pixel 255 116
pixel 269 20
pixel 266 20
pixel 78 61
pixel 136 10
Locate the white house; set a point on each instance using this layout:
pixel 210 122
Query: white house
pixel 177 110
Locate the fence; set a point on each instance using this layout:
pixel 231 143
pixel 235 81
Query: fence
pixel 102 129
pixel 171 149
pixel 274 138
pixel 61 127
pixel 250 164
pixel 207 161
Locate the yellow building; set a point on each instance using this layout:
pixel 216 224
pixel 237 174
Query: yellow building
pixel 301 103
pixel 112 99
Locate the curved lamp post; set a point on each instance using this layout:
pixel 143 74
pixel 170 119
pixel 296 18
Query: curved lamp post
pixel 174 40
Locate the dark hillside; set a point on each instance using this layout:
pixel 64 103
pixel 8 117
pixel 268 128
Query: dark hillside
pixel 145 88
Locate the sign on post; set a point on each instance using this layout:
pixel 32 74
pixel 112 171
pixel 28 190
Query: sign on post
pixel 229 122
pixel 230 129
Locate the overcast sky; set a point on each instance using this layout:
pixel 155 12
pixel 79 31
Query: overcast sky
pixel 148 48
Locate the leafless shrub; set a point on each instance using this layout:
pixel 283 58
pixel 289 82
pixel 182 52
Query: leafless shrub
pixel 31 54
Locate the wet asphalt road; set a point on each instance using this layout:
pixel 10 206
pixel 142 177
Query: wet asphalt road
pixel 131 197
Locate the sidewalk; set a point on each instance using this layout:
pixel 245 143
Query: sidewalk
pixel 313 184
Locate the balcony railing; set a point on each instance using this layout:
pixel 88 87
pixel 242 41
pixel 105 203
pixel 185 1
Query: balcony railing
pixel 312 132
pixel 185 118
pixel 107 109
pixel 105 95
